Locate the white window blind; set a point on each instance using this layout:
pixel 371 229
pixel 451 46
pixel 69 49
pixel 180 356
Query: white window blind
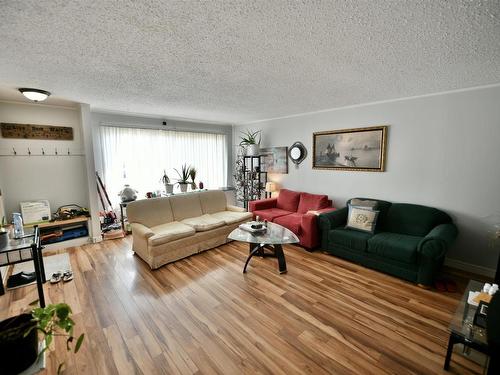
pixel 139 156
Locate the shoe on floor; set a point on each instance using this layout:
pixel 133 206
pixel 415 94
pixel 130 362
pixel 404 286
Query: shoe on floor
pixel 56 277
pixel 20 279
pixel 67 276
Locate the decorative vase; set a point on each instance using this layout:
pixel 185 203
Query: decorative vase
pixel 18 351
pixel 128 194
pixel 184 187
pixel 169 188
pixel 253 150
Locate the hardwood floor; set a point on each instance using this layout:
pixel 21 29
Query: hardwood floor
pixel 202 315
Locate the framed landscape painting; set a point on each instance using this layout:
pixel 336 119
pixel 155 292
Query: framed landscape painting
pixel 361 149
pixel 274 159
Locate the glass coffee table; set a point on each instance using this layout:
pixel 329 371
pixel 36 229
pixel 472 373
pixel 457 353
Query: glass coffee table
pixel 462 329
pixel 271 239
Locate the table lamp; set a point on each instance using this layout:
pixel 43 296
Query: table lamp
pixel 270 188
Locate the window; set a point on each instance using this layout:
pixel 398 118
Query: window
pixel 138 157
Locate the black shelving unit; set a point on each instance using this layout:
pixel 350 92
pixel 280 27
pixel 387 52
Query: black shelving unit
pixel 254 183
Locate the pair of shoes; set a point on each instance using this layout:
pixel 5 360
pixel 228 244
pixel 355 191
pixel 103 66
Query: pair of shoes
pixel 20 279
pixel 446 285
pixel 59 275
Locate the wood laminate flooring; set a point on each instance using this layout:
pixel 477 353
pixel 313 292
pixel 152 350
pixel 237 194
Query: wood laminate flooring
pixel 202 315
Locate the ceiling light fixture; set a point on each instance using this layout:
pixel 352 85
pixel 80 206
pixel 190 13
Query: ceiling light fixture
pixel 35 94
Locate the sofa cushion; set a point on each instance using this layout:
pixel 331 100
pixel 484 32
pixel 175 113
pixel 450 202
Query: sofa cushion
pixel 150 212
pixel 351 239
pixel 203 223
pixel 310 202
pixel 213 201
pixel 185 206
pixel 288 200
pixel 362 218
pixel 231 217
pixel 291 222
pixel 368 203
pixel 382 207
pixel 413 219
pixel 168 232
pixel 395 246
pixel 271 213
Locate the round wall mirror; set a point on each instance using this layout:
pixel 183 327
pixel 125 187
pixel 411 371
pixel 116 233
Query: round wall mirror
pixel 297 153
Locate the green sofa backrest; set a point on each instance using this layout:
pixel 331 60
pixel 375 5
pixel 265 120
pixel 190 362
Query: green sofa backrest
pixel 413 219
pixel 406 218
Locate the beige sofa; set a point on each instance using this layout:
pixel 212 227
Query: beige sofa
pixel 168 229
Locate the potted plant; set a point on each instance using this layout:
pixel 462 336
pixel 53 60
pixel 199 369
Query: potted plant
pixel 251 141
pixel 192 175
pixel 183 179
pixel 19 336
pixel 169 188
pixel 4 234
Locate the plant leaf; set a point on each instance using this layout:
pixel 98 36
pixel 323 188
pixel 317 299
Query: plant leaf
pixel 60 367
pixel 79 342
pixel 33 303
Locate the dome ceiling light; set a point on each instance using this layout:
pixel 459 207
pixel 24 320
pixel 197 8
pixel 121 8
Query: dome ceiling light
pixel 35 95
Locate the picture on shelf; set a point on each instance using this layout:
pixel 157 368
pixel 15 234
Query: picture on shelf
pixel 361 149
pixel 274 159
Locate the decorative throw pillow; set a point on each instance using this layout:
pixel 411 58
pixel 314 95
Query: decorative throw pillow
pixel 364 203
pixel 362 218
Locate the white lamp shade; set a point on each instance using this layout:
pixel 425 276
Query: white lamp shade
pixel 270 187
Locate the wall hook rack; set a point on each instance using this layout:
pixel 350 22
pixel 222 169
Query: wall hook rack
pixel 29 152
pixel 56 151
pixel 68 152
pixel 14 150
pixel 43 151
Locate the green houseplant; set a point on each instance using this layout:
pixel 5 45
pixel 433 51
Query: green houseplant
pixel 192 175
pixel 183 179
pixel 19 336
pixel 169 188
pixel 251 141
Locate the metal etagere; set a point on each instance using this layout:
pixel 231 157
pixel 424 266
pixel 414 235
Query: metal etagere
pixel 255 179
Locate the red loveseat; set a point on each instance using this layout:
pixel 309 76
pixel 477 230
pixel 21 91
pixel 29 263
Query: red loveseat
pixel 291 210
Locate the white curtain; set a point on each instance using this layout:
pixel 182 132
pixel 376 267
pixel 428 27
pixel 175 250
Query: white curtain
pixel 138 157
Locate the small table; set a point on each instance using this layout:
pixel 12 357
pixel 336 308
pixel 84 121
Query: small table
pixel 272 238
pixel 462 330
pixel 25 249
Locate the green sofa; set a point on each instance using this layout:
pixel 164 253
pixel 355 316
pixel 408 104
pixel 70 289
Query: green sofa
pixel 410 241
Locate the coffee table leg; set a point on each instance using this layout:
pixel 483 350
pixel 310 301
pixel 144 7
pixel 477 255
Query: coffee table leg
pixel 278 251
pixel 449 351
pixel 254 251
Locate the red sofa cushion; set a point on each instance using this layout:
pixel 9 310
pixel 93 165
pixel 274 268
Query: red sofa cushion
pixel 291 222
pixel 312 202
pixel 270 214
pixel 288 200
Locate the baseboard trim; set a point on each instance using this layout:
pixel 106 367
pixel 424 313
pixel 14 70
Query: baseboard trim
pixel 472 268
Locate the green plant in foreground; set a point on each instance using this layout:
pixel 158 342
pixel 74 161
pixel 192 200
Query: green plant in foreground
pixel 184 174
pixel 250 138
pixel 55 320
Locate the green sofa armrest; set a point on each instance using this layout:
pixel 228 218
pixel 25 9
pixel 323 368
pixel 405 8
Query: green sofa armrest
pixel 437 241
pixel 333 219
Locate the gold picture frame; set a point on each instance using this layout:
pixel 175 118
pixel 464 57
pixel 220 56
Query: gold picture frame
pixel 359 149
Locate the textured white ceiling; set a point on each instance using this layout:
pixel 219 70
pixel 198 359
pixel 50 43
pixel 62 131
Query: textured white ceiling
pixel 240 61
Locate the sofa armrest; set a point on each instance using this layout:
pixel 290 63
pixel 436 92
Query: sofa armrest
pixel 333 219
pixel 437 241
pixel 232 208
pixel 321 211
pixel 141 230
pixel 262 204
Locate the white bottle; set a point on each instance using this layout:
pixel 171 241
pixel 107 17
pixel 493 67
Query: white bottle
pixel 18 225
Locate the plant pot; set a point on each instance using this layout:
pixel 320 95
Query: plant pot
pixel 17 352
pixel 169 188
pixel 184 187
pixel 253 150
pixel 4 238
